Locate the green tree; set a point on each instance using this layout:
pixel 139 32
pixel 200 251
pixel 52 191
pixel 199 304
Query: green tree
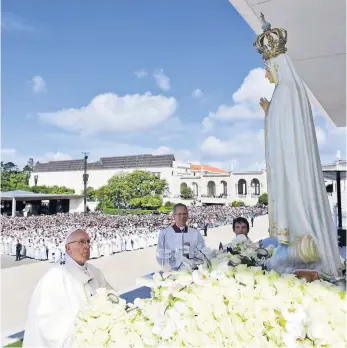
pixel 52 189
pixel 9 167
pixel 91 194
pixel 28 169
pixel 127 188
pixel 13 179
pixel 263 199
pixel 187 193
pixel 235 204
pixel 103 196
pixel 147 202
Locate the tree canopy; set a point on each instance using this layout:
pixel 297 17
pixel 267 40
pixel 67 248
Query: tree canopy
pixel 12 178
pixel 140 189
pixel 263 199
pixel 187 193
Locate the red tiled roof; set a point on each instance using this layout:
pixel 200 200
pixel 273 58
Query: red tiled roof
pixel 207 168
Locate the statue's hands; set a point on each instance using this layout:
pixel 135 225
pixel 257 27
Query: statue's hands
pixel 264 103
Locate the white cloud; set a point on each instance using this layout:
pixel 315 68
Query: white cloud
pixel 207 125
pixel 38 84
pixel 162 150
pixel 214 146
pixel 321 136
pixel 20 159
pixel 140 74
pixel 112 113
pixel 163 81
pixel 254 87
pixel 246 101
pixel 197 93
pixel 182 155
pixel 52 156
pixel 7 152
pixel 247 145
pixel 236 112
pixel 12 22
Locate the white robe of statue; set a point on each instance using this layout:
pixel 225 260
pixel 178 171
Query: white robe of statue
pixel 298 202
pixel 57 300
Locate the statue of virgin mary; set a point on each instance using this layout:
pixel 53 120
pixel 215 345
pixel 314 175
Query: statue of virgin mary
pixel 299 212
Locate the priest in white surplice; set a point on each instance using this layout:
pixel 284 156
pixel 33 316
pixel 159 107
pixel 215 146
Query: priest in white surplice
pixel 179 238
pixel 60 294
pixel 299 212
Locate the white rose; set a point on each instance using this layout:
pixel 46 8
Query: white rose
pixel 235 259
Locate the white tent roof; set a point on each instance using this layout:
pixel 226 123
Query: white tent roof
pixel 31 196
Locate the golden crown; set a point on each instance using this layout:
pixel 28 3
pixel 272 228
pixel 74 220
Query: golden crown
pixel 272 42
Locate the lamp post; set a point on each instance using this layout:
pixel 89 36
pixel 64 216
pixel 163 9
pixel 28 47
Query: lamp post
pixel 85 180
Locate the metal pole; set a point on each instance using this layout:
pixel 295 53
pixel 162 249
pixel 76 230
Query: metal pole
pixel 85 180
pixel 338 193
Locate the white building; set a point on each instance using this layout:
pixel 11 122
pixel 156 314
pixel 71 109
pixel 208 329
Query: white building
pixel 209 184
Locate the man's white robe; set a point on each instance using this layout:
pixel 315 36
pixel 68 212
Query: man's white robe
pixel 56 301
pixel 189 240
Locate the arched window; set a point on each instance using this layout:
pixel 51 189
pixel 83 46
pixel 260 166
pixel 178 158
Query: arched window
pixel 183 186
pixel 242 187
pixel 211 189
pixel 225 188
pixel 255 185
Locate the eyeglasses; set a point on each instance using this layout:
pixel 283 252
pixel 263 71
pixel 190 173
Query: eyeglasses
pixel 81 242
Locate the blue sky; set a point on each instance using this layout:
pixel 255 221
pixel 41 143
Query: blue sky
pixel 130 77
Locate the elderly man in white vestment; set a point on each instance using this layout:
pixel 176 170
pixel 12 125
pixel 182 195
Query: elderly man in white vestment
pixel 60 294
pixel 178 239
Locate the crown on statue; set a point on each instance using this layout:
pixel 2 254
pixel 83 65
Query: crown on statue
pixel 272 42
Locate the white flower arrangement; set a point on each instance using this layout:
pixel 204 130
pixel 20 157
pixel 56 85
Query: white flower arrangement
pixel 248 253
pixel 222 306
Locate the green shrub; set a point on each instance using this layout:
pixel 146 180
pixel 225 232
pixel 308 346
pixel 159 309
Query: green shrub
pixel 165 209
pixel 111 211
pixel 263 199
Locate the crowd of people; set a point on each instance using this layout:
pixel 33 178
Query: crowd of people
pixel 42 237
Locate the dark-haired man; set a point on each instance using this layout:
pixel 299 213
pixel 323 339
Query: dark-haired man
pixel 241 230
pixel 241 226
pixel 179 238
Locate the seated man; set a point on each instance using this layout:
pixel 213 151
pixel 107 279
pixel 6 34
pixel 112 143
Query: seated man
pixel 61 293
pixel 241 230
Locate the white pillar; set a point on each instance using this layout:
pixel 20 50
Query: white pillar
pixel 14 207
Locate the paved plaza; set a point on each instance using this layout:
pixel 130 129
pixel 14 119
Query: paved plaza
pixel 18 279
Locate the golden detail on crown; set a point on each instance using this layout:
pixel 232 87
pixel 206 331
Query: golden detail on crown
pixel 272 42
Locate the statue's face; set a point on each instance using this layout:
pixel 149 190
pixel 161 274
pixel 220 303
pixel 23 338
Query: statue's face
pixel 269 75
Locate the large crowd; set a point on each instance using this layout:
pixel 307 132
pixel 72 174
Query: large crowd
pixel 42 237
